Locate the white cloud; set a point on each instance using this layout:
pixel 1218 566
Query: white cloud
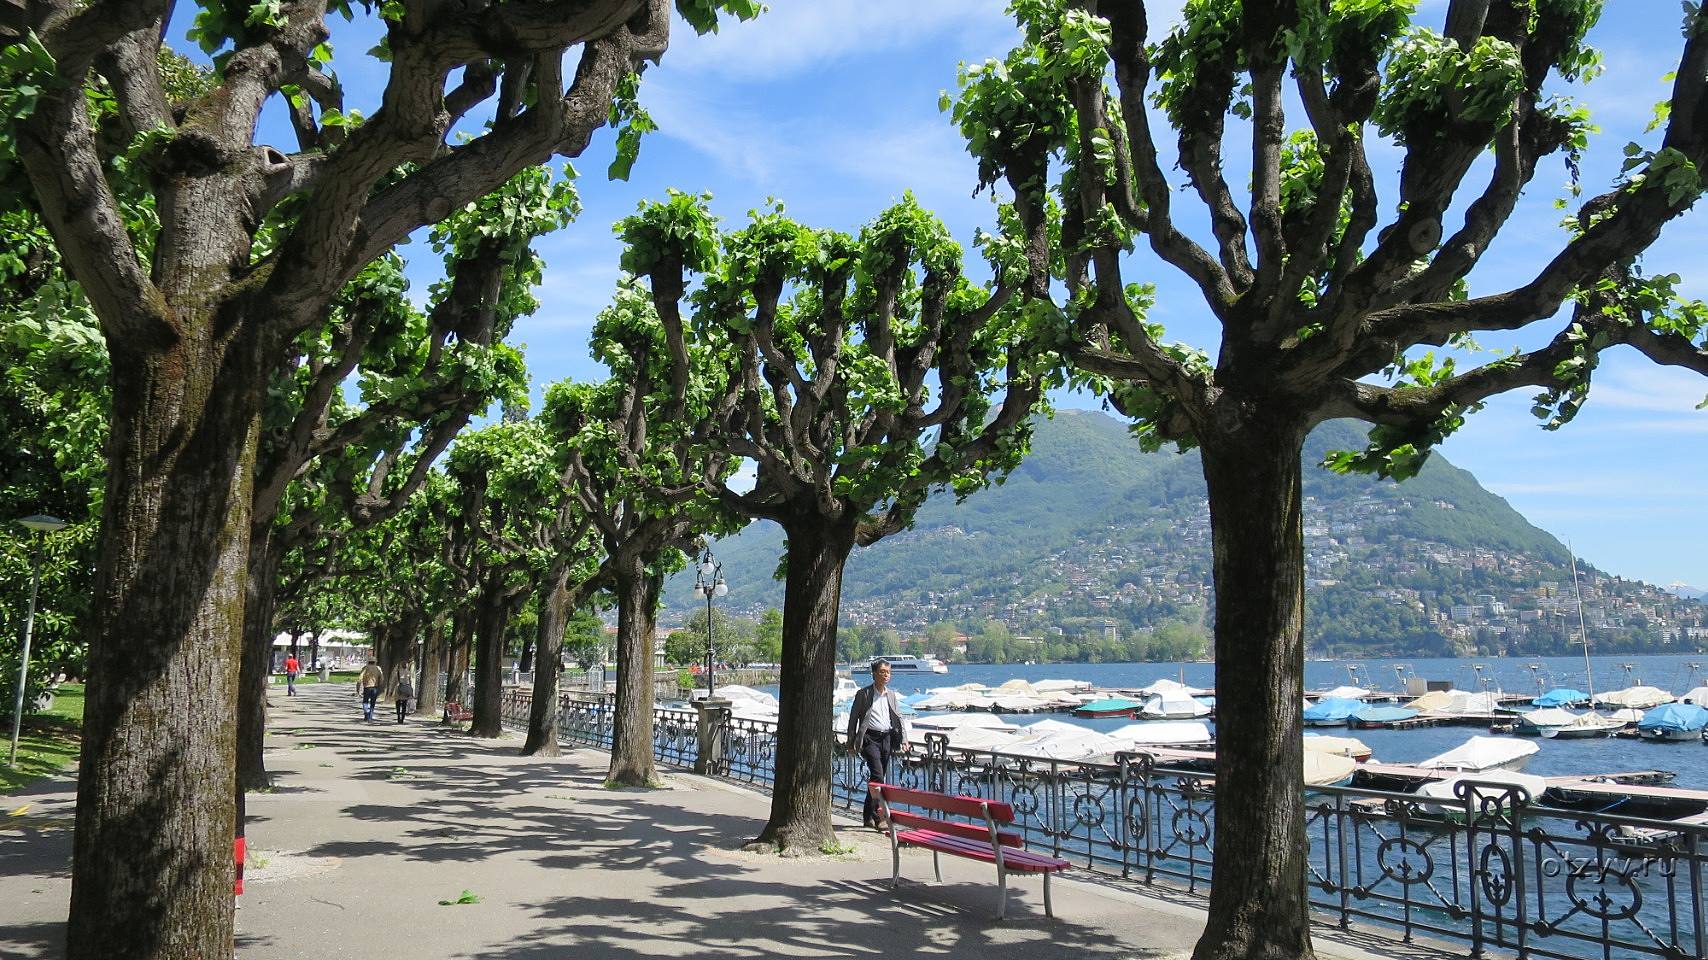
pixel 806 34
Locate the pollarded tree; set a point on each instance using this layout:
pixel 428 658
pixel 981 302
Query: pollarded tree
pixel 421 376
pixel 1324 310
pixel 197 314
pixel 874 383
pixel 638 450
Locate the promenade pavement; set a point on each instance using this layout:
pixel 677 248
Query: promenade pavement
pixel 372 826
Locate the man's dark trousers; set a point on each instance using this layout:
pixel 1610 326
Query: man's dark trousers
pixel 876 752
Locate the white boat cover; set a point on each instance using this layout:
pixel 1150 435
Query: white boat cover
pixel 1078 745
pixel 1454 701
pixel 1166 686
pixel 1482 754
pixel 739 693
pixel 1639 698
pixel 1019 703
pixel 1062 686
pixel 1627 715
pixel 970 686
pixel 1697 695
pixel 1190 733
pixel 1322 769
pixel 1551 717
pixel 958 721
pixel 1443 789
pixel 1348 693
pixel 1052 727
pixel 1018 686
pixel 955 700
pixel 1339 746
pixel 1173 706
pixel 981 738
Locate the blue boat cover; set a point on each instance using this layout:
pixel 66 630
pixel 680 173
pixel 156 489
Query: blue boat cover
pixel 1674 716
pixel 1560 697
pixel 1332 709
pixel 1383 714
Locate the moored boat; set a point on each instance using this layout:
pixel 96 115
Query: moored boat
pixel 905 663
pixel 1332 712
pixel 1375 718
pixel 1481 754
pixel 1673 721
pixel 1111 707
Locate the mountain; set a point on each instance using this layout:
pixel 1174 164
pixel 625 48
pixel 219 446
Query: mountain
pixel 1688 592
pixel 1092 536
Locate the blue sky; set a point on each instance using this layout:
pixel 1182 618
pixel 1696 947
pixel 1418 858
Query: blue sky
pixel 831 106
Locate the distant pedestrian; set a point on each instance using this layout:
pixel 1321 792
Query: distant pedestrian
pixel 876 730
pixel 405 693
pixel 370 682
pixel 292 668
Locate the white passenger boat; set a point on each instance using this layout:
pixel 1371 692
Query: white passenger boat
pixel 905 663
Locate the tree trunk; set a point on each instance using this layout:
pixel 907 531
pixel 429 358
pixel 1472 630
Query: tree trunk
pixel 497 604
pixel 525 662
pixel 432 669
pixel 256 670
pixel 314 648
pixel 457 658
pixel 631 738
pixel 812 600
pixel 1258 905
pixel 548 642
pixel 152 869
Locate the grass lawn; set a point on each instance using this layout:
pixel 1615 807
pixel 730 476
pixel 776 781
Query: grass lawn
pixel 338 676
pixel 50 740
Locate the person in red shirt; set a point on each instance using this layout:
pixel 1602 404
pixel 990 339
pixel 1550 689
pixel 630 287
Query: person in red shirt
pixel 292 668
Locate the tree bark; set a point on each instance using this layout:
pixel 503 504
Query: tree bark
pixel 255 672
pixel 548 643
pixel 432 669
pixel 631 738
pixel 156 812
pixel 525 662
pixel 457 658
pixel 394 648
pixel 812 600
pixel 497 603
pixel 1258 906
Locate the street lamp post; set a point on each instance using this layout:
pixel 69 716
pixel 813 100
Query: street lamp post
pixel 42 525
pixel 709 583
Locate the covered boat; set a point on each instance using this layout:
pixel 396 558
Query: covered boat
pixel 1499 786
pixel 1167 686
pixel 1482 754
pixel 1585 726
pixel 1111 707
pixel 1533 724
pixel 1328 769
pixel 1062 686
pixel 1331 712
pixel 1636 698
pixel 1349 747
pixel 1673 721
pixel 958 721
pixel 1180 734
pixel 1173 706
pixel 1561 697
pixel 1697 695
pixel 1373 717
pixel 1075 743
pixel 1456 702
pixel 1348 693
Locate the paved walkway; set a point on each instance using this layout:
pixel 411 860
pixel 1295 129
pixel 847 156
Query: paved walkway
pixel 372 826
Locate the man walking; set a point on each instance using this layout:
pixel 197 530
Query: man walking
pixel 875 731
pixel 370 682
pixel 292 668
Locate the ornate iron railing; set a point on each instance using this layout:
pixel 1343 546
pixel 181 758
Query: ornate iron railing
pixel 1489 867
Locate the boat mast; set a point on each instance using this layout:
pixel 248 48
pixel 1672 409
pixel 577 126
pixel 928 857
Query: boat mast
pixel 1583 634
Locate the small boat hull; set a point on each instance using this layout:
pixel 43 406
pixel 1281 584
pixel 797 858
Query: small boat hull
pixel 1671 736
pixel 1101 714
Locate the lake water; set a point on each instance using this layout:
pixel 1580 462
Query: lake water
pixel 1689 760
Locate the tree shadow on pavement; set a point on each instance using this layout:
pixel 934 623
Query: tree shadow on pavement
pixel 753 917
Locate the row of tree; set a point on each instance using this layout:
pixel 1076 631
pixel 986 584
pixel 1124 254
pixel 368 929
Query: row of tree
pixel 238 289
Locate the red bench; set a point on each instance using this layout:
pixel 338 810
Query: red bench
pixel 981 840
pixel 456 712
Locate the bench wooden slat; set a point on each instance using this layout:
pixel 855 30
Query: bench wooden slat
pixel 1017 861
pixel 961 806
pixel 972 831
